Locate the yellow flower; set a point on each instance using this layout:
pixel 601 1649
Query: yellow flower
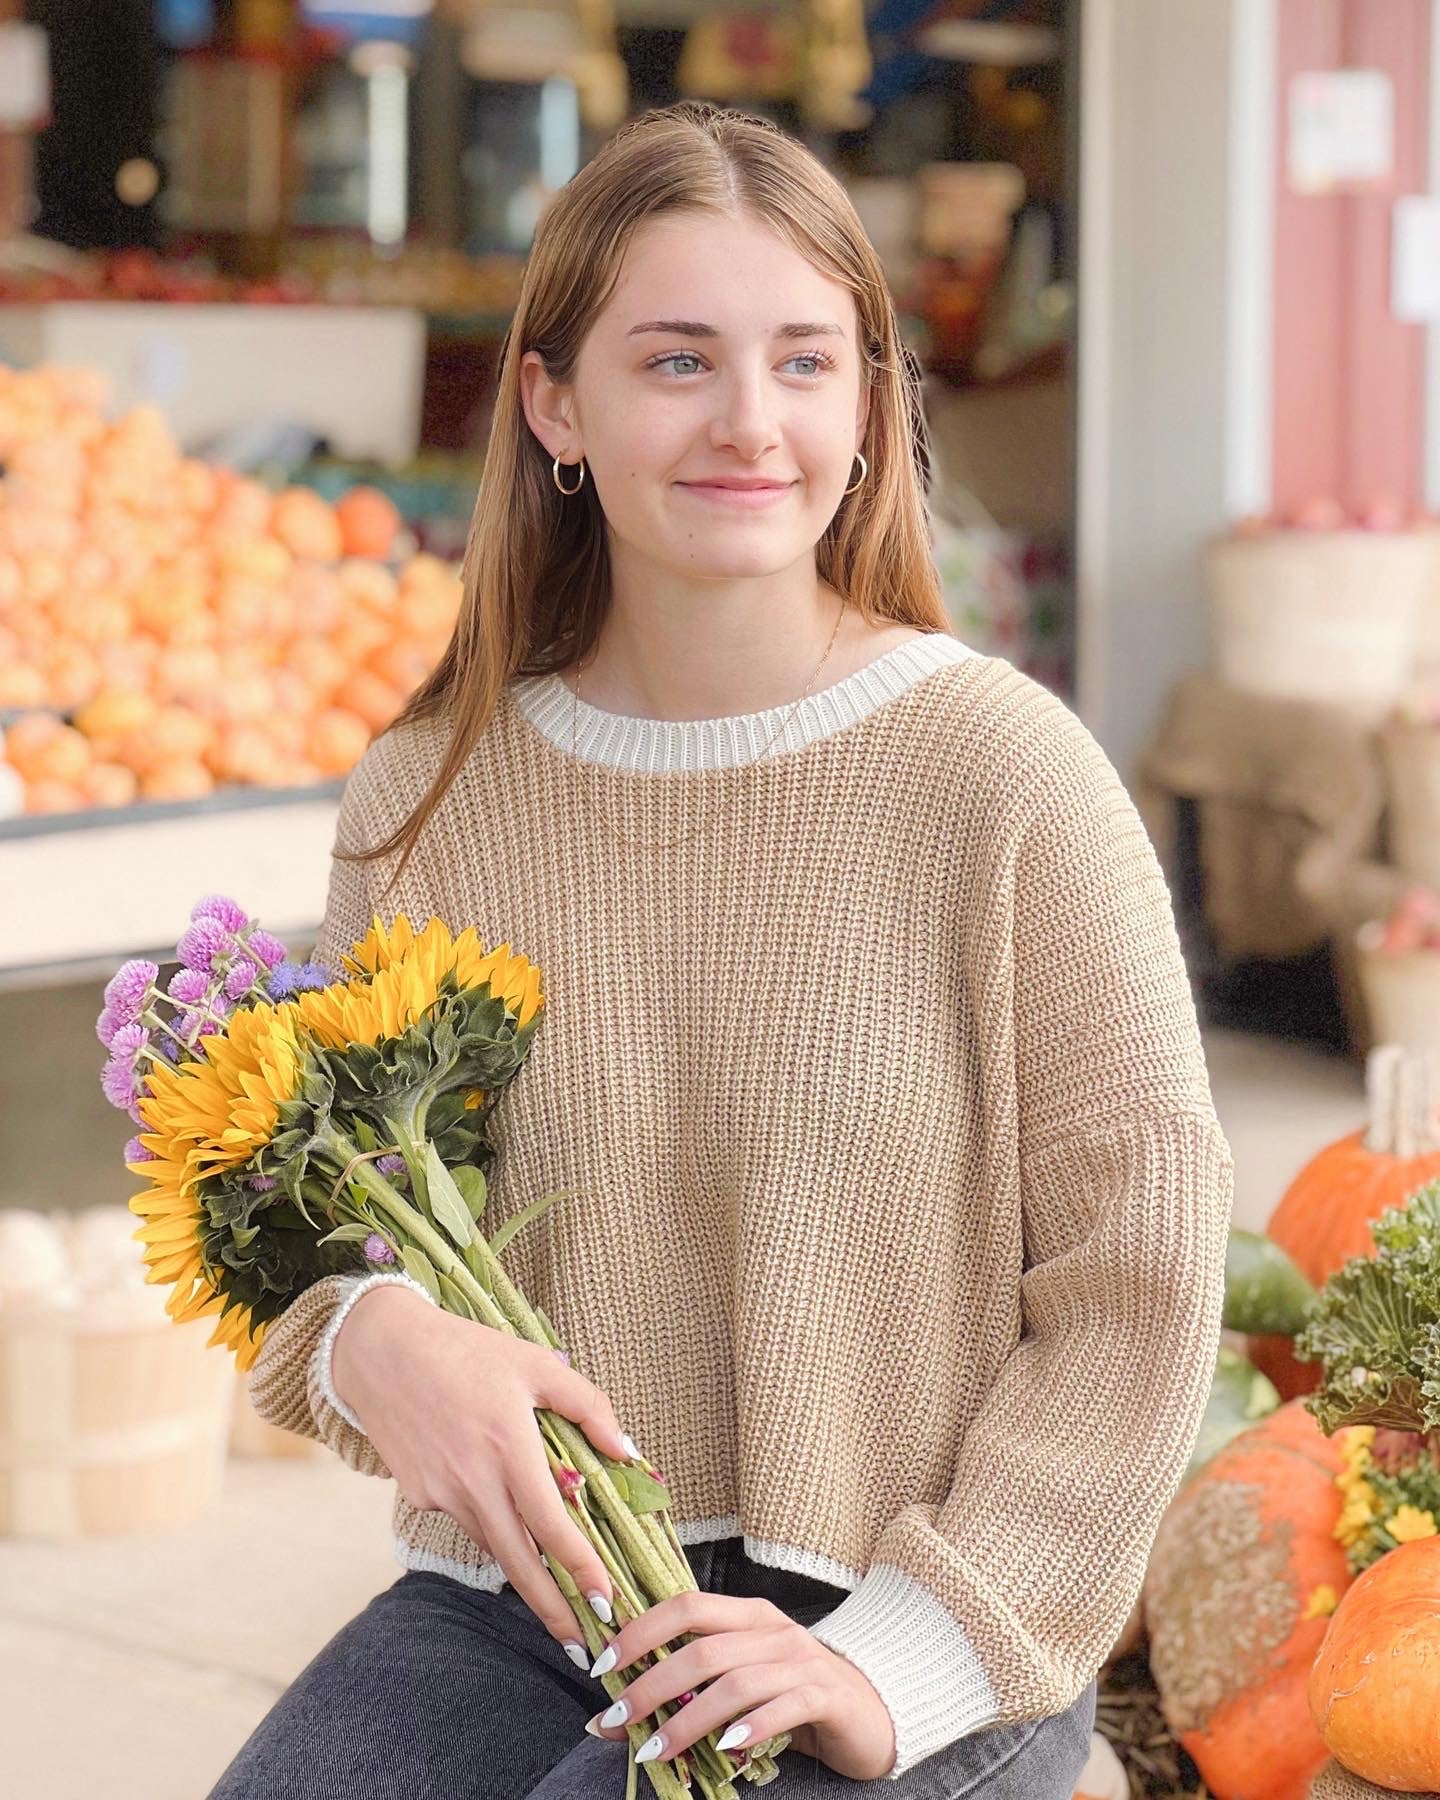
pixel 1357 1515
pixel 1322 1602
pixel 204 1116
pixel 218 1111
pixel 429 954
pixel 397 978
pixel 1408 1524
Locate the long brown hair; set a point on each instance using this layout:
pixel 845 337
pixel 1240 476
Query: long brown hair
pixel 536 572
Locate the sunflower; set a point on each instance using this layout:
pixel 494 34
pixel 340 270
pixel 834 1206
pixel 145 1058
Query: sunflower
pixel 204 1116
pixel 415 964
pixel 220 1110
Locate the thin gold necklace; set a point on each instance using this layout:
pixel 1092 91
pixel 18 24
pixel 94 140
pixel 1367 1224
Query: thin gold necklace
pixel 671 843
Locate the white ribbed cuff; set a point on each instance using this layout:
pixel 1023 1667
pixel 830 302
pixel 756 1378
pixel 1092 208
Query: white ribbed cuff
pixel 917 1658
pixel 325 1349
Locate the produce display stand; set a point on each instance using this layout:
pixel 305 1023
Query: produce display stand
pixel 80 892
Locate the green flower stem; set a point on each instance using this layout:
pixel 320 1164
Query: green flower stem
pixel 151 1017
pixel 424 1236
pixel 511 1301
pixel 659 1567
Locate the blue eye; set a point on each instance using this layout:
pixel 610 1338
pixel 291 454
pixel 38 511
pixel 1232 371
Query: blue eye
pixel 820 357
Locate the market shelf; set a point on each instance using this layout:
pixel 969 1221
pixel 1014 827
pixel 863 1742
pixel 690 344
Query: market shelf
pixel 79 892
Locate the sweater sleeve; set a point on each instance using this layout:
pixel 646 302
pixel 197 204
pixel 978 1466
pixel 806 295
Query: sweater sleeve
pixel 290 1382
pixel 999 1601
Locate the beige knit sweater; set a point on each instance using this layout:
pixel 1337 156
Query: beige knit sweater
pixel 900 1237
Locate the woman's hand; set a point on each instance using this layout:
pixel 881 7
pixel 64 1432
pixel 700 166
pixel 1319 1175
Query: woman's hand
pixel 450 1407
pixel 751 1665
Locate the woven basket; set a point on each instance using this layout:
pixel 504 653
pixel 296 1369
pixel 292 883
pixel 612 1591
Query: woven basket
pixel 1411 755
pixel 1337 1783
pixel 112 1418
pixel 1427 642
pixel 1332 616
pixel 1400 990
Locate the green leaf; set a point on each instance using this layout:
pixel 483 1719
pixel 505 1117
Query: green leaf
pixel 1264 1291
pixel 452 1297
pixel 354 1233
pixel 365 1134
pixel 533 1211
pixel 447 1204
pixel 471 1183
pixel 417 1267
pixel 475 1262
pixel 639 1489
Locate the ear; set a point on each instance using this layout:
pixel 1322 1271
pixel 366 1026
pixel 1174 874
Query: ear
pixel 549 408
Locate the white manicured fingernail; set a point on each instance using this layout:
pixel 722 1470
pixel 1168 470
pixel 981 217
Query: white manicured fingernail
pixel 604 1662
pixel 650 1748
pixel 600 1606
pixel 632 1449
pixel 616 1714
pixel 593 1726
pixel 576 1653
pixel 737 1734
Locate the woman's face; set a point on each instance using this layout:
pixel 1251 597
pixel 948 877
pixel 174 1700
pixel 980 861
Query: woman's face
pixel 722 356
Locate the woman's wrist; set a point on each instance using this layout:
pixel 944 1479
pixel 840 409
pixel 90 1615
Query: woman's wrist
pixel 371 1318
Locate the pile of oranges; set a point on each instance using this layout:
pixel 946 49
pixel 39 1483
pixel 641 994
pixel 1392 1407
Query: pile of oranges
pixel 168 626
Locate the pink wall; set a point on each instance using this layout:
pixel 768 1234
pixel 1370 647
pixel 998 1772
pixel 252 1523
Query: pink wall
pixel 1349 377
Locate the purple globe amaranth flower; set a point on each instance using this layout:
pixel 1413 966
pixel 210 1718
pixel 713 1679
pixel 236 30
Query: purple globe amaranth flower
pixel 238 981
pixel 195 1025
pixel 188 986
pixel 262 1184
pixel 265 946
pixel 118 1084
pixel 127 1043
pixel 126 989
pixel 135 1114
pixel 202 945
pixel 107 1025
pixel 135 1151
pixel 377 1250
pixel 229 912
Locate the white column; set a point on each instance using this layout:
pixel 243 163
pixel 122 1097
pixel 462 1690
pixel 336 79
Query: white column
pixel 1176 251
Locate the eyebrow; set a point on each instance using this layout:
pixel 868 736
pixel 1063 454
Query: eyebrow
pixel 696 328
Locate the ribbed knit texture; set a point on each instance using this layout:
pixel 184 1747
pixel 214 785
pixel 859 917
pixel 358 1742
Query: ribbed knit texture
pixel 900 1233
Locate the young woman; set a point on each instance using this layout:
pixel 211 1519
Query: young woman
pixel 900 1213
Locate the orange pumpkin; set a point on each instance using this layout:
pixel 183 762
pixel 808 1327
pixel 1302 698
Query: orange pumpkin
pixel 1375 1686
pixel 1240 1575
pixel 1324 1216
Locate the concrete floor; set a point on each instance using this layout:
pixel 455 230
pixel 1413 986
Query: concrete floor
pixel 134 1667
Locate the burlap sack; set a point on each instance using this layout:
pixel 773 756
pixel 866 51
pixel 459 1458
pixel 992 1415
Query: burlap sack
pixel 1290 795
pixel 1335 1783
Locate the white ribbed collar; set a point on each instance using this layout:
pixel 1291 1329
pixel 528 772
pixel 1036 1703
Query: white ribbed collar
pixel 656 744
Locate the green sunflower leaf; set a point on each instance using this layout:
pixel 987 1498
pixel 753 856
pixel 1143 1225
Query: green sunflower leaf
pixel 447 1203
pixel 417 1267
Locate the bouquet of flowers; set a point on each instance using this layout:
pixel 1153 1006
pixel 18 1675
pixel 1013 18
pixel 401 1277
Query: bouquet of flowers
pixel 297 1121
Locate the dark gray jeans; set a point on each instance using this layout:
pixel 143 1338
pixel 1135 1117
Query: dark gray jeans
pixel 438 1691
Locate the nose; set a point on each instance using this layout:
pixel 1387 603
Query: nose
pixel 746 421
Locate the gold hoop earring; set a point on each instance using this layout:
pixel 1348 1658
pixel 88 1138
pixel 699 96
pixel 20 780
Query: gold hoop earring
pixel 864 471
pixel 555 476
